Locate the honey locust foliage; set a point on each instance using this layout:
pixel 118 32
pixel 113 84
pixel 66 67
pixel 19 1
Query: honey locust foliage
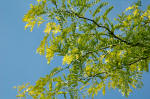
pixel 97 53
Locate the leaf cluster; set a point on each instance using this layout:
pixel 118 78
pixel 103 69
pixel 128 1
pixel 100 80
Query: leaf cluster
pixel 96 52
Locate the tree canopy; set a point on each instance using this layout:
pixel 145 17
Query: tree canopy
pixel 98 52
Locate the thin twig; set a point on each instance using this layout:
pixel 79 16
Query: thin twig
pixel 104 27
pixel 142 58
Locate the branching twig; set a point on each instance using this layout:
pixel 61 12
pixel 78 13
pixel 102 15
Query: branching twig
pixel 104 27
pixel 142 58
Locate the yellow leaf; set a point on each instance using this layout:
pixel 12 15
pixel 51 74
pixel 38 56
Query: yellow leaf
pixel 49 54
pixel 129 8
pixel 103 90
pixel 90 90
pixel 56 29
pixel 129 17
pixel 135 12
pixel 88 68
pixel 67 59
pixel 100 85
pixel 125 23
pixel 133 67
pixel 26 26
pixel 31 6
pixel 57 18
pixel 79 40
pixel 48 28
pixel 133 85
pixel 39 1
pixel 61 92
pixel 106 60
pixel 77 56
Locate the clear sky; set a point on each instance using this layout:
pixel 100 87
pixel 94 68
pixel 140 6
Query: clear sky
pixel 19 62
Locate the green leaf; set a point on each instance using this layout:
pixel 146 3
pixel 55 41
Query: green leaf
pixel 107 12
pixel 98 9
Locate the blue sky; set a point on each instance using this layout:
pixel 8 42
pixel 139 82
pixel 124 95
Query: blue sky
pixel 19 62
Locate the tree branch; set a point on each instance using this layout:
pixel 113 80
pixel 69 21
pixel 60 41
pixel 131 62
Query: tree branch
pixel 104 27
pixel 142 58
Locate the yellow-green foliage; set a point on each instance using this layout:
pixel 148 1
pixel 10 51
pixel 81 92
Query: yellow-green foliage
pixel 97 53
